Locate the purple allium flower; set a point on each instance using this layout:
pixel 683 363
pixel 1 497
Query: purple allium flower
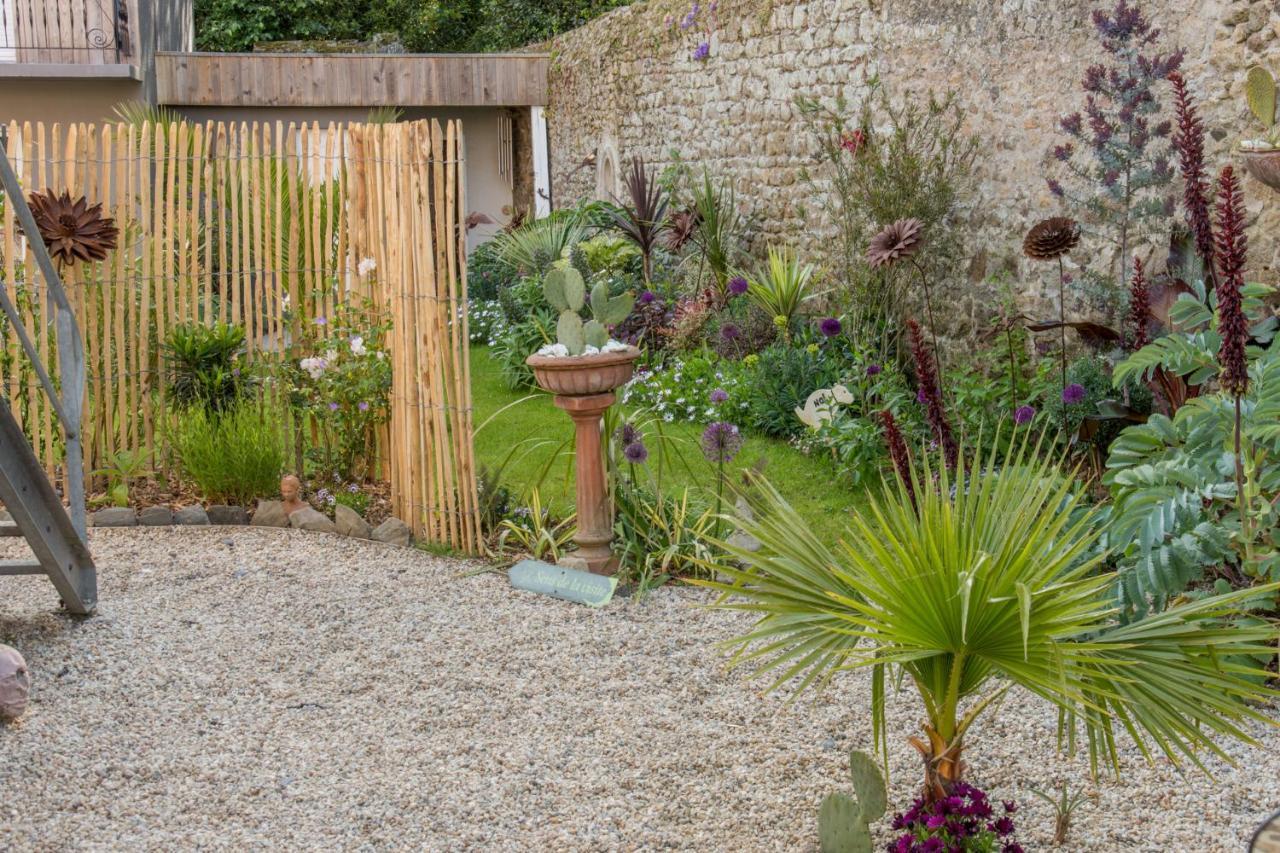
pixel 737 285
pixel 1073 393
pixel 702 52
pixel 874 369
pixel 1023 415
pixel 830 327
pixel 333 407
pixel 721 441
pixel 719 395
pixel 627 434
pixel 636 453
pixel 646 297
pixel 730 332
pixel 362 406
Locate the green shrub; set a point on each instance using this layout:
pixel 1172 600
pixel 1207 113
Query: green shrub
pixel 781 378
pixel 233 456
pixel 206 366
pixel 488 273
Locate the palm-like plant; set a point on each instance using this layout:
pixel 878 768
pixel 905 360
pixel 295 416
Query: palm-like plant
pixel 781 286
pixel 717 229
pixel 532 248
pixel 643 220
pixel 970 593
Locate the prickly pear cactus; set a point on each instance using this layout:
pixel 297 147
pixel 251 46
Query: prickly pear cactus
pixel 595 334
pixel 844 823
pixel 565 291
pixel 1260 92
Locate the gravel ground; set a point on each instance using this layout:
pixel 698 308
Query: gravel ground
pixel 245 688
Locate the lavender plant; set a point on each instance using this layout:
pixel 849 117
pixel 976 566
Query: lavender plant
pixel 1115 161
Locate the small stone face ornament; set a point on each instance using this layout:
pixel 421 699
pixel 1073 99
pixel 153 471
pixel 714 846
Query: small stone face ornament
pixel 291 493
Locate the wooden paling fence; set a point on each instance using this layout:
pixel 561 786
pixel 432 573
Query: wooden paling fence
pixel 266 226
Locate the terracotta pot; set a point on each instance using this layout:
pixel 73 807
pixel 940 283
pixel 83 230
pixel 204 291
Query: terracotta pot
pixel 1263 165
pixel 582 375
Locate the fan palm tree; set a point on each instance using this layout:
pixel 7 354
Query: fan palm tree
pixel 971 593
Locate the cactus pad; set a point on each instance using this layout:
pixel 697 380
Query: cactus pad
pixel 569 332
pixel 841 828
pixel 594 334
pixel 868 784
pixel 1260 92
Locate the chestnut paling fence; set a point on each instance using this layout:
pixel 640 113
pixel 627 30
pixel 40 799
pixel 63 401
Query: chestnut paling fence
pixel 263 225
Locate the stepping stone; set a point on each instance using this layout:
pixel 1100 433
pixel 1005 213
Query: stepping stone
pixel 349 523
pixel 308 518
pixel 155 516
pixel 115 516
pixel 270 514
pixel 393 531
pixel 222 514
pixel 192 515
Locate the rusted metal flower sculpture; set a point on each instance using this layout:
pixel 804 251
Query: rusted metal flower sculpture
pixel 896 241
pixel 73 230
pixel 1051 238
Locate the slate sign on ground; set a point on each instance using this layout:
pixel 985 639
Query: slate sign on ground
pixel 569 584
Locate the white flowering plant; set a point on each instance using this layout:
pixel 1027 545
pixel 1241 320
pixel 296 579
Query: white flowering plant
pixel 343 383
pixel 697 389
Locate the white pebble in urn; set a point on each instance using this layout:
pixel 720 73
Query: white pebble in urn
pixel 15 684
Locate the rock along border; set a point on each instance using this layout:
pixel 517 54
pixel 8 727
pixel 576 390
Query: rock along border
pixel 346 522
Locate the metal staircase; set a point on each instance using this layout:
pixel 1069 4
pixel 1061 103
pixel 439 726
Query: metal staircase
pixel 56 535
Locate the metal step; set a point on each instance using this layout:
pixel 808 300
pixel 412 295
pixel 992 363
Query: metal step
pixel 41 519
pixel 20 567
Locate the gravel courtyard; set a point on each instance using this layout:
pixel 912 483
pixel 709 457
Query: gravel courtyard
pixel 242 688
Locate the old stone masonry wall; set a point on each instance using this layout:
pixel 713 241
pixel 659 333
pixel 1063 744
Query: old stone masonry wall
pixel 630 83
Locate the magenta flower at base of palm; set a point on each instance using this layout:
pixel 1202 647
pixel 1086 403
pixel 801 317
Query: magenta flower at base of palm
pixel 1073 393
pixel 1023 415
pixel 1189 143
pixel 1139 308
pixel 966 819
pixel 1231 251
pixel 927 378
pixel 721 441
pixel 830 327
pixel 737 286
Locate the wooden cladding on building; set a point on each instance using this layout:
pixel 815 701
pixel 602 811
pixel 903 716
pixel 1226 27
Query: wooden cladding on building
pixel 351 80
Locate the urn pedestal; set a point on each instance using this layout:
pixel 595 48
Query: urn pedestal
pixel 583 387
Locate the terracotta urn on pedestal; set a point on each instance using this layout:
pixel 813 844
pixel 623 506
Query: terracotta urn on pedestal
pixel 583 386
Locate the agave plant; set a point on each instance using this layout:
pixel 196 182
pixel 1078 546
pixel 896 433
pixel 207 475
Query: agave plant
pixel 781 286
pixel 644 219
pixel 982 585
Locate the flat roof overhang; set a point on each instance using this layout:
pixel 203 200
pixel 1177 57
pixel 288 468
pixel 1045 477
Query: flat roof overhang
pixel 352 80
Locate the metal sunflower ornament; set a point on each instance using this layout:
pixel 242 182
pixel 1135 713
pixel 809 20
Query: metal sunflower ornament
pixel 73 230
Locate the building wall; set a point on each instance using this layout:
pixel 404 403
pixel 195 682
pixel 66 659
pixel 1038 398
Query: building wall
pixel 626 84
pixel 487 191
pixel 63 100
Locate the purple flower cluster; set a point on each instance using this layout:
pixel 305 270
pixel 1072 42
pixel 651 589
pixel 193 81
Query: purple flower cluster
pixel 1023 415
pixel 737 286
pixel 631 441
pixel 830 327
pixel 721 441
pixel 963 821
pixel 1073 393
pixel 702 51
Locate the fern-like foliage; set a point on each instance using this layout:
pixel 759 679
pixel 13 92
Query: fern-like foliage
pixel 1176 513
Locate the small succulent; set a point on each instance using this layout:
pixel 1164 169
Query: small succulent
pixel 844 822
pixel 1260 92
pixel 566 292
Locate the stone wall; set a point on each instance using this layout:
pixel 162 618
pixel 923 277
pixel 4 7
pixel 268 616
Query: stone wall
pixel 627 84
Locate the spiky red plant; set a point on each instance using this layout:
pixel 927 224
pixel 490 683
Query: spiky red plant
pixel 931 395
pixel 1188 140
pixel 1231 248
pixel 1139 308
pixel 898 452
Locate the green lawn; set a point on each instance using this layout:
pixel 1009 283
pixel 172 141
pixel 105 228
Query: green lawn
pixel 530 438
